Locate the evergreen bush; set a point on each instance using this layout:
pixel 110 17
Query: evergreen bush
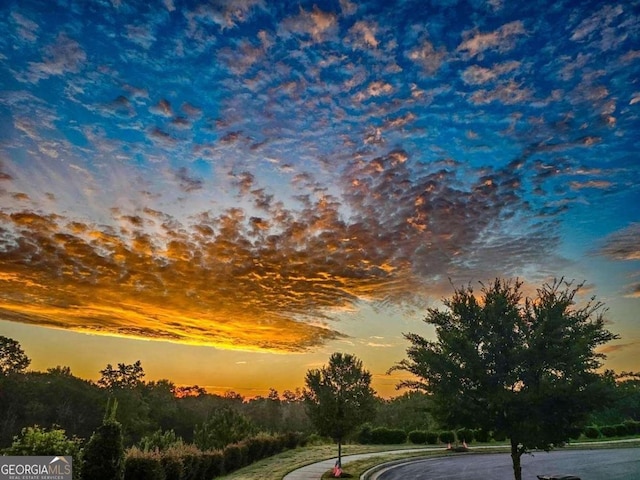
pixel 608 431
pixel 388 436
pixel 215 464
pixel 235 457
pixel 141 465
pixel 447 436
pixel 633 426
pixel 592 431
pixel 172 466
pixel 418 437
pixel 465 435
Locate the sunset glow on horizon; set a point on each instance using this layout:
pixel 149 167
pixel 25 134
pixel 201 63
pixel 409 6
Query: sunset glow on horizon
pixel 231 190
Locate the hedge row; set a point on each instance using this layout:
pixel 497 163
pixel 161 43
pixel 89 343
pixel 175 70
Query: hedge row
pixel 187 462
pixel 629 427
pixel 389 436
pixel 381 436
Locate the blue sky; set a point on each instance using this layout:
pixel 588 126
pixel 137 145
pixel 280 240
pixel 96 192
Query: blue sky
pixel 267 182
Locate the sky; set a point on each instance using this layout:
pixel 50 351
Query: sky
pixel 230 191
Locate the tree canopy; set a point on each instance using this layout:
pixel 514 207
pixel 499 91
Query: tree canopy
pixel 339 397
pixel 12 357
pixel 125 376
pixel 525 368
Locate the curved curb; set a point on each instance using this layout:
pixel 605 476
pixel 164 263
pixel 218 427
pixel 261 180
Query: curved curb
pixel 375 471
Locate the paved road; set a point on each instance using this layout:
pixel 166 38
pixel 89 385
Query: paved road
pixel 614 464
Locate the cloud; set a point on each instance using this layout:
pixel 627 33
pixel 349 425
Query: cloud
pixel 633 291
pixel 607 28
pixel 226 13
pixel 477 75
pixel 608 349
pixel 27 29
pixel 317 24
pixel 510 93
pixel 270 281
pixel 64 56
pixel 475 43
pixel 623 244
pixel 428 57
pixel 363 35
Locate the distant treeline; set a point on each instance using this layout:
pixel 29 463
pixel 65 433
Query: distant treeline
pixel 58 399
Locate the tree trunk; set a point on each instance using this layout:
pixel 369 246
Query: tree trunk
pixel 340 453
pixel 516 453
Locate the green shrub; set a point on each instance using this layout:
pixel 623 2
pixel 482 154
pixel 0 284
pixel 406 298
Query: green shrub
pixel 482 435
pixel 633 426
pixel 257 448
pixel 465 435
pixel 141 465
pixel 499 436
pixel 418 437
pixel 592 432
pixel 172 466
pixel 432 438
pixel 274 444
pixel 215 464
pixel 40 441
pixel 235 457
pixel 388 436
pixel 447 436
pixel 294 439
pixel 182 462
pixel 608 431
pixel 191 464
pixel 316 440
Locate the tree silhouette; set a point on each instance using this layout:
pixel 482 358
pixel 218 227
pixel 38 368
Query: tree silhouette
pixel 125 376
pixel 12 357
pixel 524 369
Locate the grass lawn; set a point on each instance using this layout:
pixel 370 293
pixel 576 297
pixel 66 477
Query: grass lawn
pixel 276 467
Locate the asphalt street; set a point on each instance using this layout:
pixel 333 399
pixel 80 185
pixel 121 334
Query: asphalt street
pixel 614 464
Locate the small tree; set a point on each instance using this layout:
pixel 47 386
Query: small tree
pixel 339 397
pixel 12 357
pixel 524 369
pixel 224 427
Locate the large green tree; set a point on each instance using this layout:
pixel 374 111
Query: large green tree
pixel 524 368
pixel 339 397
